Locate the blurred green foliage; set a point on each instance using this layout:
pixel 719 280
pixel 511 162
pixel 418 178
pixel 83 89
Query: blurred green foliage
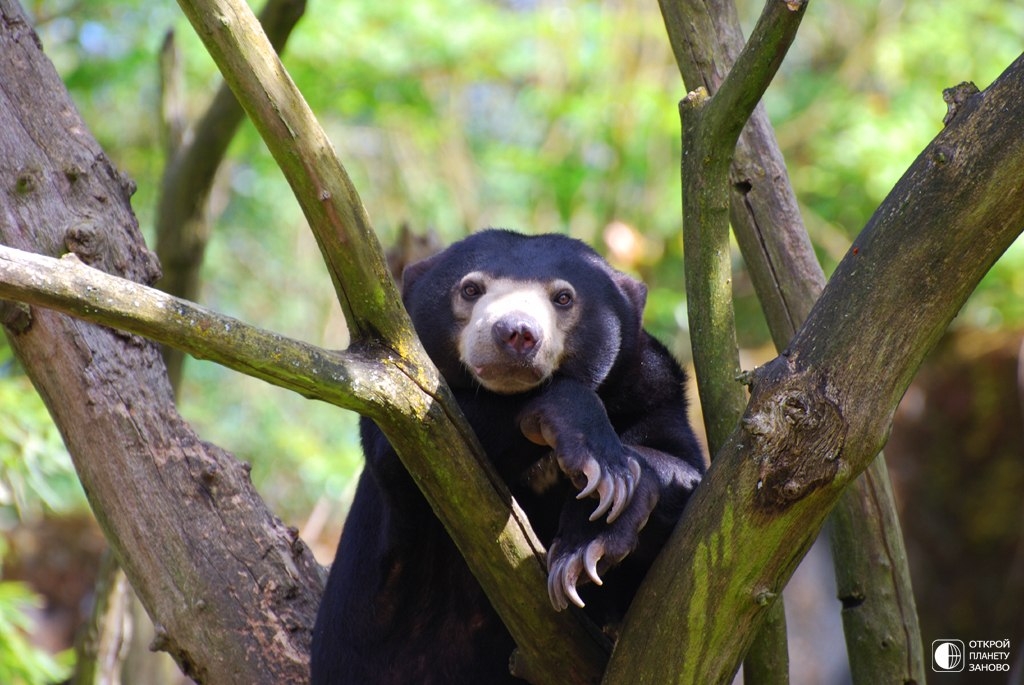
pixel 20 663
pixel 35 474
pixel 534 114
pixel 35 470
pixel 853 106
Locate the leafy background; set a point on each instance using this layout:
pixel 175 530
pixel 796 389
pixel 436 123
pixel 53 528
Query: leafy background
pixel 544 115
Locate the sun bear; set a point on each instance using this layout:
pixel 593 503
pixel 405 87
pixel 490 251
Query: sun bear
pixel 583 414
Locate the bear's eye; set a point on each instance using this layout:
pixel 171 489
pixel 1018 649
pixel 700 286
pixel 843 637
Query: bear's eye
pixel 471 290
pixel 563 298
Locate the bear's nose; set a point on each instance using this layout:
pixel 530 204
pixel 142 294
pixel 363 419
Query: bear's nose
pixel 518 335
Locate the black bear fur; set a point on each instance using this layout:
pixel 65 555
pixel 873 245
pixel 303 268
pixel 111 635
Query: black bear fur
pixel 605 413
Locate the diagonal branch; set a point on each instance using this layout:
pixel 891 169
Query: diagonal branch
pixel 754 69
pixel 820 412
pixel 300 147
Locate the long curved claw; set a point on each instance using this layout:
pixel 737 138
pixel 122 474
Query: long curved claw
pixel 624 493
pixel 595 550
pixel 592 470
pixel 570 589
pixel 562 579
pixel 615 493
pixel 608 492
pixel 564 575
pixel 555 594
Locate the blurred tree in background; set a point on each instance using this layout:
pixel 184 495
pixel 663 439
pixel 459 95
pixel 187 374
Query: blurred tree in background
pixel 533 114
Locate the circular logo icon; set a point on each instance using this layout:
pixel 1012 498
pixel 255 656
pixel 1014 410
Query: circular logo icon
pixel 948 655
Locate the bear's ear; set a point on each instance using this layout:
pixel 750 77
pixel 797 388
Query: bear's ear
pixel 634 290
pixel 414 271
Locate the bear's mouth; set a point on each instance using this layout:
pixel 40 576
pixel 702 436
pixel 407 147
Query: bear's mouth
pixel 508 379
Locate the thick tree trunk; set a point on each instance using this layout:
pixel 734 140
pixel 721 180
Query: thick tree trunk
pixel 232 591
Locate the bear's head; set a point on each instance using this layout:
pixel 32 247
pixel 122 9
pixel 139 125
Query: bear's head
pixel 508 311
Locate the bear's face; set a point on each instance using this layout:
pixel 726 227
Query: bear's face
pixel 507 311
pixel 512 334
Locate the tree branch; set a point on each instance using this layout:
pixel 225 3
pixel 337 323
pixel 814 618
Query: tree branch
pixel 754 69
pixel 768 227
pixel 302 150
pixel 883 639
pixel 708 271
pixel 711 128
pixel 350 380
pixel 816 419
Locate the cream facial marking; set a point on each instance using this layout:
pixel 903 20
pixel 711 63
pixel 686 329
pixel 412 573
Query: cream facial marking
pixel 513 332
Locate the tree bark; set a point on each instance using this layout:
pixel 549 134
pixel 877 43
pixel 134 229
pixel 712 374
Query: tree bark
pixel 879 618
pixel 232 591
pixel 821 411
pixel 711 127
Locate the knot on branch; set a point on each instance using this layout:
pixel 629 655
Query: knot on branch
pixel 87 241
pixel 797 432
pixel 955 99
pixel 16 317
pixel 94 245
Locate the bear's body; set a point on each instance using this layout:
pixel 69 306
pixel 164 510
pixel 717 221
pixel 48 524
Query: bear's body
pixel 542 344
